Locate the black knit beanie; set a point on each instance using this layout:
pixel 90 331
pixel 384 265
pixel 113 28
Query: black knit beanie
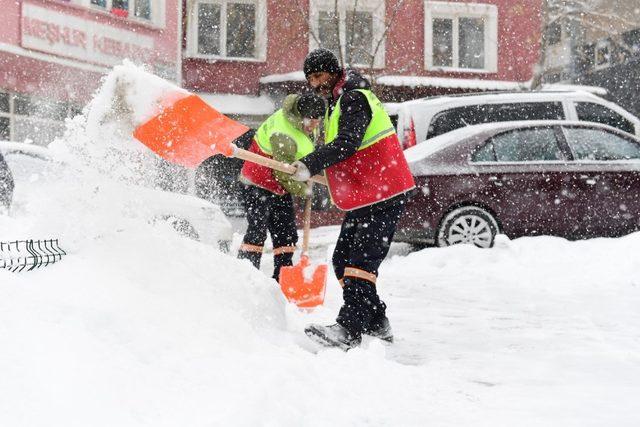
pixel 320 60
pixel 311 106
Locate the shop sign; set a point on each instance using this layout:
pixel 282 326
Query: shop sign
pixel 61 34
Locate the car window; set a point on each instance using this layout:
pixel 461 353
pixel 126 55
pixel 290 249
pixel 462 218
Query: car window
pixel 600 144
pixel 449 120
pixel 523 111
pixel 592 112
pixel 394 121
pixel 484 154
pixel 455 118
pixel 521 145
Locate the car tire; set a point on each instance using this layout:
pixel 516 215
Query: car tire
pixel 468 224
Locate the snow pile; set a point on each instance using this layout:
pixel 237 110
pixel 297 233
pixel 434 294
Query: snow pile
pixel 86 189
pixel 102 137
pixel 141 329
pixel 151 329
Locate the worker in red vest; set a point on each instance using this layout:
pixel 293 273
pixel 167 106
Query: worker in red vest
pixel 285 136
pixel 368 178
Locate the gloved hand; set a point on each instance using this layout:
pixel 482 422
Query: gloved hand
pixel 301 173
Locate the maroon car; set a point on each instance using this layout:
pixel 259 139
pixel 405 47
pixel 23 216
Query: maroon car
pixel 569 179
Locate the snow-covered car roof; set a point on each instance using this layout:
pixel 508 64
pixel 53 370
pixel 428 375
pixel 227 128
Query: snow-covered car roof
pixel 435 145
pixel 33 149
pixel 156 201
pixel 480 98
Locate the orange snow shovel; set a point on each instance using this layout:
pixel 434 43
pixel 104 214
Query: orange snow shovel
pixel 188 131
pixel 304 284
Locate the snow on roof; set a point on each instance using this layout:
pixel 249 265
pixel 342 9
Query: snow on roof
pixel 506 96
pixel 413 81
pixel 23 147
pixel 452 83
pixel 597 90
pixel 239 104
pixel 294 76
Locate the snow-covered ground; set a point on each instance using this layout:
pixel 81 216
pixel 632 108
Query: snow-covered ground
pixel 140 327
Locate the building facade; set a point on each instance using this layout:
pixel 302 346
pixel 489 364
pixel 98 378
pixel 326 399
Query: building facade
pixel 598 46
pixel 244 56
pixel 53 54
pixel 252 50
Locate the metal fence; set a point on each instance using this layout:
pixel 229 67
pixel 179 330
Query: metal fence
pixel 27 255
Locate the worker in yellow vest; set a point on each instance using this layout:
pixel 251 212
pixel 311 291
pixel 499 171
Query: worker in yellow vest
pixel 285 136
pixel 369 178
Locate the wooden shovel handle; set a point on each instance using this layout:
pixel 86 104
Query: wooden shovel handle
pixel 272 164
pixel 306 221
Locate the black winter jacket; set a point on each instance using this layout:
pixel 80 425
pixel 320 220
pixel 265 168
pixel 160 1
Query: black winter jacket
pixel 355 116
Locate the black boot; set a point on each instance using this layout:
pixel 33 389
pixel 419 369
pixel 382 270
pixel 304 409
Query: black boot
pixel 380 328
pixel 333 336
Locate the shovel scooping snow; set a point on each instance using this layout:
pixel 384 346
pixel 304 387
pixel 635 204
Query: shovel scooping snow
pixel 187 131
pixel 304 283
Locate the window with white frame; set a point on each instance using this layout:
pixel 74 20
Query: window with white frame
pixel 461 36
pixel 27 117
pixel 351 28
pixel 152 11
pixel 235 29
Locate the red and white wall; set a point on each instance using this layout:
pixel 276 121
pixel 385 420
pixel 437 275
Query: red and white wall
pixel 405 64
pixel 53 54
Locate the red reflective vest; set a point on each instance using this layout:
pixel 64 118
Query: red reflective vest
pixel 378 171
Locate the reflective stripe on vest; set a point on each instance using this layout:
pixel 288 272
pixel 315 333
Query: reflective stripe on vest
pixel 379 127
pixel 277 123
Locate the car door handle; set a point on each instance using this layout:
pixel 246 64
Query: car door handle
pixel 588 179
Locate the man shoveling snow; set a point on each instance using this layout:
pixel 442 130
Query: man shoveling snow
pixel 369 178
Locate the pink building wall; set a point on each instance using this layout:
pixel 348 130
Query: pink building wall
pixel 286 48
pixel 26 71
pixel 519 24
pixel 518 33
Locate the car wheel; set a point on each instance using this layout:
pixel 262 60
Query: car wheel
pixel 468 224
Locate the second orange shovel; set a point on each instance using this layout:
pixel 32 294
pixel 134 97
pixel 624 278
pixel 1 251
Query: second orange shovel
pixel 304 284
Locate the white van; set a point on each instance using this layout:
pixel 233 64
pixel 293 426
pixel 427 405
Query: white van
pixel 420 119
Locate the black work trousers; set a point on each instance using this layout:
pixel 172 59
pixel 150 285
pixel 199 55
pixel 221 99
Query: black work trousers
pixel 270 212
pixel 364 241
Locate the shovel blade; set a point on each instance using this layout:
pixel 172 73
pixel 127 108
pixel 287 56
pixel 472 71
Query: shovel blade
pixel 188 131
pixel 303 284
